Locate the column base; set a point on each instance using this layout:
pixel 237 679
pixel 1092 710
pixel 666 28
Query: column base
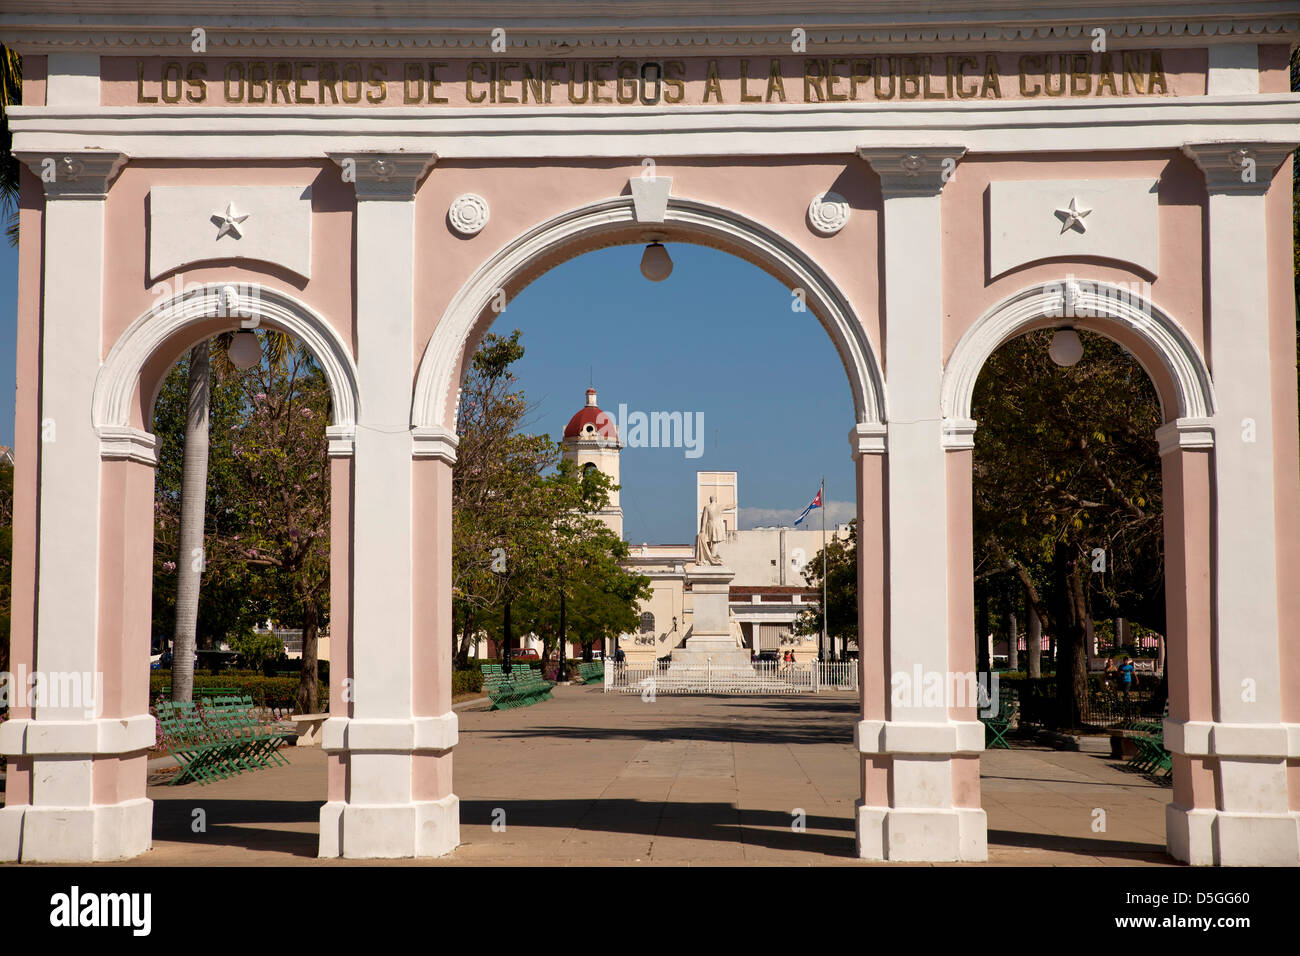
pixel 929 835
pixel 38 834
pixel 1220 838
pixel 428 828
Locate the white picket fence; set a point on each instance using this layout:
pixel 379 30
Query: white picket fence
pixel 768 677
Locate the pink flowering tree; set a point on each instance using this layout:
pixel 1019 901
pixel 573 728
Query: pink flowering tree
pixel 280 454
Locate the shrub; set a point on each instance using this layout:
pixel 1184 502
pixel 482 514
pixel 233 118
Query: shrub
pixel 265 691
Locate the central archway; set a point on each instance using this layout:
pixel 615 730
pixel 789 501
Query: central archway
pixel 614 222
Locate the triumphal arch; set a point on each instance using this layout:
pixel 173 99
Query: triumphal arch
pixel 378 179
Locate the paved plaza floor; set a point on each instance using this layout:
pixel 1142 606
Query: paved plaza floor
pixel 594 778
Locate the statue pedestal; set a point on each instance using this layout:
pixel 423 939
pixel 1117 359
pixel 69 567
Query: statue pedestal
pixel 711 641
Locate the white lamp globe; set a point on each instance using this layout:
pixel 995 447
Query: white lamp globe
pixel 245 351
pixel 1066 349
pixel 656 264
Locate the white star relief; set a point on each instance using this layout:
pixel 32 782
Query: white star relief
pixel 1072 216
pixel 229 221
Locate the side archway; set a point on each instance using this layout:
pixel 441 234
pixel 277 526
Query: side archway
pixel 614 221
pixel 1163 348
pixel 171 319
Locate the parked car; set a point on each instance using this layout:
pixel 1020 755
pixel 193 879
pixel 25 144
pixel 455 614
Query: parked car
pixel 767 657
pixel 524 654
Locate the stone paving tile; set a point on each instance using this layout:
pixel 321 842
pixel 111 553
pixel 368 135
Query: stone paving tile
pixel 609 779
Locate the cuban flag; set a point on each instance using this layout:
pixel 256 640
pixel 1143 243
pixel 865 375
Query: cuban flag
pixel 816 503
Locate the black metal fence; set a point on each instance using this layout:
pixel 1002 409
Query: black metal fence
pixel 1104 708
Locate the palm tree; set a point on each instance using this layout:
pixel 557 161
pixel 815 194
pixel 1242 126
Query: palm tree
pixel 194 494
pixel 11 94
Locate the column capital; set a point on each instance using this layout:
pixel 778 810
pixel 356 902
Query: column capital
pixel 958 434
pixel 79 175
pixel 867 438
pixel 434 441
pixel 1185 434
pixel 912 170
pixel 384 175
pixel 342 440
pixel 1235 167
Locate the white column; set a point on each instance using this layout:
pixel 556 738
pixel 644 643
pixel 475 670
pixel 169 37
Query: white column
pixel 381 816
pixel 67 731
pixel 922 822
pixel 1253 823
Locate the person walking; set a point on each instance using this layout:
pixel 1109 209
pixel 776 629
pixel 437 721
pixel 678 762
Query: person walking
pixel 1126 673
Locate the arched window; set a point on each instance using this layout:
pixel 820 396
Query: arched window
pixel 647 623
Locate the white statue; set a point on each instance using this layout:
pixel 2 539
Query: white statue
pixel 711 532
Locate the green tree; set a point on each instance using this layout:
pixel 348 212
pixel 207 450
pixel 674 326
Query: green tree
pixel 841 592
pixel 281 459
pixel 1067 481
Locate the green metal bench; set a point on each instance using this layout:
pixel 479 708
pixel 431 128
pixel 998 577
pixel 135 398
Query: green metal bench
pixel 996 725
pixel 1148 737
pixel 219 739
pixel 592 673
pixel 521 688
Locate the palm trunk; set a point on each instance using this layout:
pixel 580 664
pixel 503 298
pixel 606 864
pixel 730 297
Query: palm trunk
pixel 194 493
pixel 1013 630
pixel 1035 642
pixel 308 684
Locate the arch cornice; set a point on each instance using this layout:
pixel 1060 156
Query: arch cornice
pixel 119 375
pixel 1085 304
pixel 702 223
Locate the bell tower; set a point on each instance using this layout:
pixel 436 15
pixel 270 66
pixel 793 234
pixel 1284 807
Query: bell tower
pixel 591 440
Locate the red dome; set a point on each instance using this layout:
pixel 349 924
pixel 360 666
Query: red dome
pixel 601 424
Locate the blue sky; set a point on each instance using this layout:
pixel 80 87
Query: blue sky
pixel 718 337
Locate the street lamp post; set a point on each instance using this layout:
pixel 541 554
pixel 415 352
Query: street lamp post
pixel 564 634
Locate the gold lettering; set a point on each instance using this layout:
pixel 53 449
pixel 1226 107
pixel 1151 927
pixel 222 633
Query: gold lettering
pixel 234 69
pixel 503 81
pixel 963 91
pixel 412 83
pixel 625 90
pixel 1047 76
pixel 859 73
pixel 352 67
pixel 597 81
pixel 1080 74
pixel 1157 75
pixel 196 78
pixel 909 87
pixel 674 72
pixel 327 82
pixel 552 66
pixel 139 84
pixel 1133 71
pixel 812 81
pixel 299 82
pixel 832 77
pixel 889 72
pixel 531 82
pixel 926 72
pixel 434 82
pixel 775 82
pixel 991 82
pixel 171 93
pixel 378 83
pixel 283 73
pixel 745 95
pixel 1030 63
pixel 1106 76
pixel 712 85
pixel 475 66
pixel 573 69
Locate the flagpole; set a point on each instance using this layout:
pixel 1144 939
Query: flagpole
pixel 822 496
